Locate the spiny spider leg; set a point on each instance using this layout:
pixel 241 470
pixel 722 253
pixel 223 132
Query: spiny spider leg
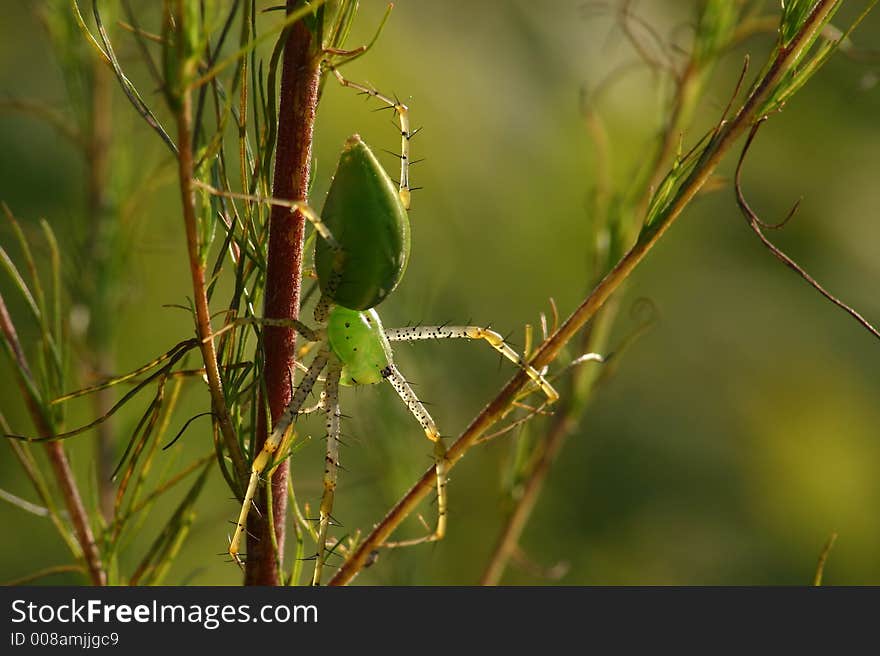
pixel 320 405
pixel 310 334
pixel 331 461
pixel 496 341
pixel 405 135
pixel 294 205
pixel 273 442
pixel 322 308
pixel 405 392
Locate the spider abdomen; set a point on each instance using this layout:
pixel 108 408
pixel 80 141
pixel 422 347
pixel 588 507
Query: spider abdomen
pixel 358 340
pixel 364 212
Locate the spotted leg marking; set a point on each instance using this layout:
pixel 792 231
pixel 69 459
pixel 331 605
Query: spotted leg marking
pixel 405 392
pixel 331 462
pixel 271 445
pixel 404 190
pixel 496 341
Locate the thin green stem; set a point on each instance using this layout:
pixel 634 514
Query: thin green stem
pixel 25 458
pixel 200 297
pixel 823 559
pixel 47 571
pixel 55 452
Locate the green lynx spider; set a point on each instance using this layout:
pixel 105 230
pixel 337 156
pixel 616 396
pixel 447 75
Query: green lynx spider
pixel 360 258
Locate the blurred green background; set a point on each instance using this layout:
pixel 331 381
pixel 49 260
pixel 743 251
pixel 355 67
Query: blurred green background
pixel 735 436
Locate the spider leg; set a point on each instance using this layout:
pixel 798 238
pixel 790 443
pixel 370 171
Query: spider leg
pixel 441 466
pixel 321 228
pixel 272 444
pixel 405 190
pixel 311 334
pixel 496 341
pixel 331 461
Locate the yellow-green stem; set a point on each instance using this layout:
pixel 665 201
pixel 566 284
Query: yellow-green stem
pixel 200 298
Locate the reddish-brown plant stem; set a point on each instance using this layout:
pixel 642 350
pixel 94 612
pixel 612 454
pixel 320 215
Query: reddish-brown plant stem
pixel 56 455
pixel 649 236
pixel 300 75
pixel 72 499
